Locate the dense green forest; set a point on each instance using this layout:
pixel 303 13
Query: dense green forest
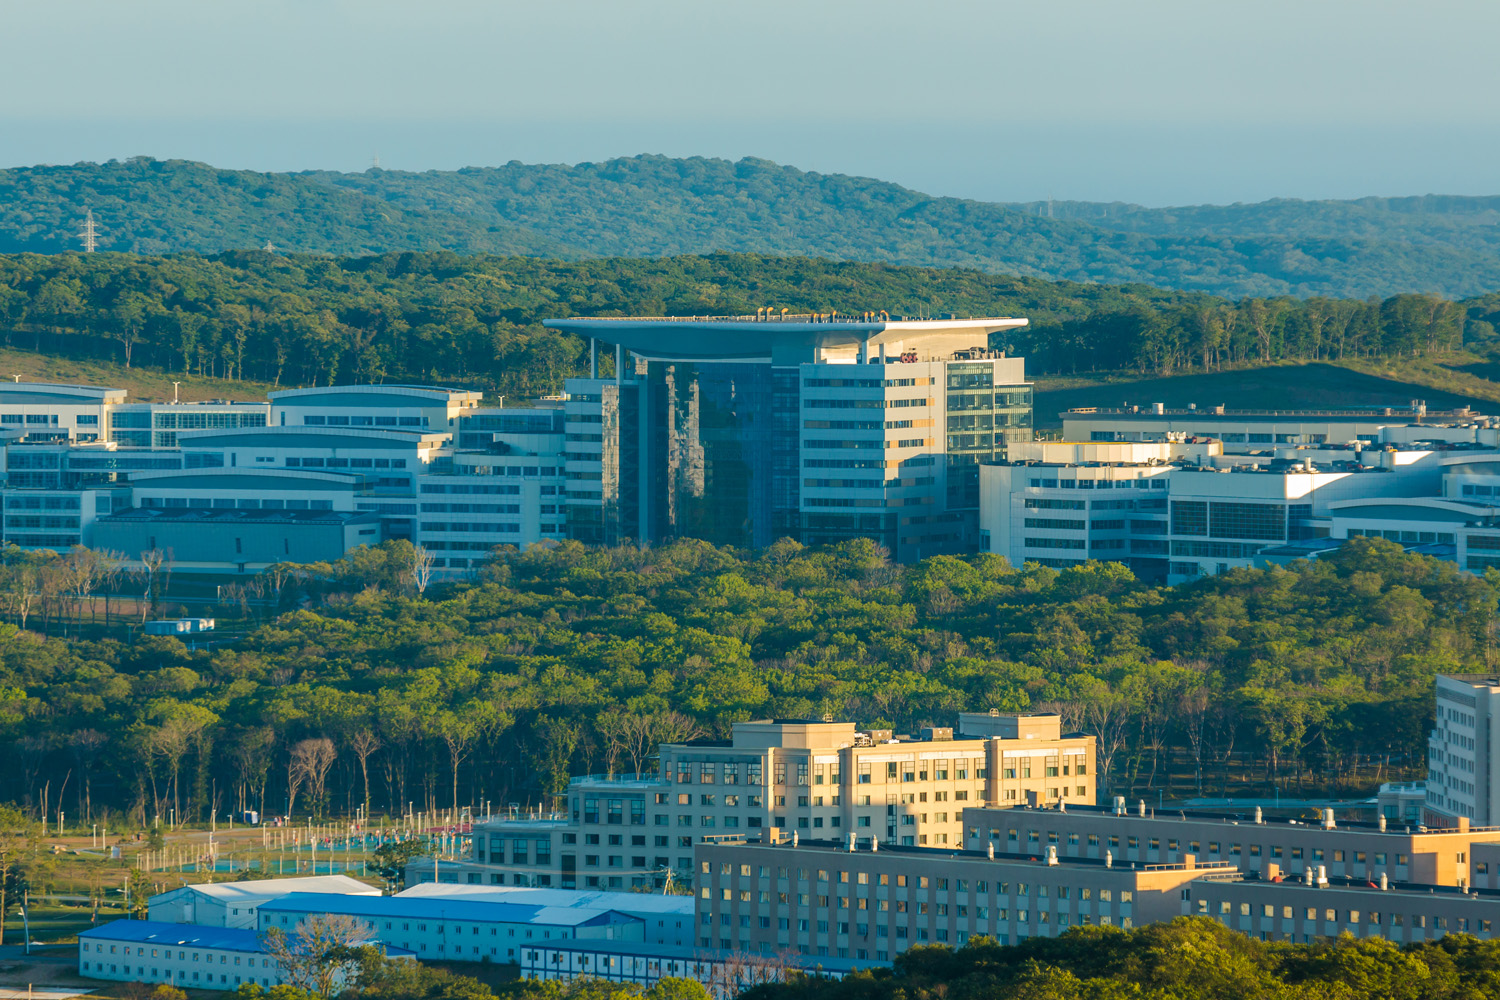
pixel 574 660
pixel 659 206
pixel 1191 958
pixel 476 321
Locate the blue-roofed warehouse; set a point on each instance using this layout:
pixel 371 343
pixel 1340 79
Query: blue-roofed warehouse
pixel 190 956
pixel 447 929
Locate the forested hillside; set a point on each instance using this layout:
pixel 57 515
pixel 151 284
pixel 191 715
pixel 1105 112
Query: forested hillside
pixel 149 207
pixel 476 321
pixel 577 660
pixel 1191 958
pixel 659 206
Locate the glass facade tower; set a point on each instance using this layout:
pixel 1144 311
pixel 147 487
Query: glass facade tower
pixel 807 430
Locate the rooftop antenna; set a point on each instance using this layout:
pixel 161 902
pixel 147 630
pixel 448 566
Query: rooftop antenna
pixel 174 391
pixel 90 234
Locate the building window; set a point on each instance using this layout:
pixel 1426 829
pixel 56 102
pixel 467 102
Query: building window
pixel 1189 517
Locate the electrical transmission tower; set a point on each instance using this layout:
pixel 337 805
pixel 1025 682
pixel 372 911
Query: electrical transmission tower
pixel 90 234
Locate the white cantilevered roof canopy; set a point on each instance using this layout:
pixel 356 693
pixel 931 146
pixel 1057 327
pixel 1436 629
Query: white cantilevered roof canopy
pixel 789 340
pixel 57 394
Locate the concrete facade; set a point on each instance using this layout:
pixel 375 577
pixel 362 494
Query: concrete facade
pixel 1463 779
pixel 819 898
pixel 1294 911
pixel 1268 847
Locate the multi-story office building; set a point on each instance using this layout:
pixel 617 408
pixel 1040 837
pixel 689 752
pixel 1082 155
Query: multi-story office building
pixel 1060 503
pixel 46 413
pixel 820 779
pixel 1222 519
pixel 417 407
pixel 232 487
pixel 1249 841
pixel 1462 778
pixel 821 898
pixel 1459 522
pixel 1254 430
pixel 1190 510
pixel 741 431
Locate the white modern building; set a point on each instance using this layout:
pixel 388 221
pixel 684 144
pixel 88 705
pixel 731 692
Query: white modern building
pixel 1223 518
pixel 1061 503
pixel 1463 778
pixel 232 487
pixel 1252 430
pixel 234 904
pixel 1179 509
pixel 415 407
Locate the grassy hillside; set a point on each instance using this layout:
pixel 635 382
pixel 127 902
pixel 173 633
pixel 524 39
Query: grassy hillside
pixel 655 206
pixel 1443 383
pixel 145 385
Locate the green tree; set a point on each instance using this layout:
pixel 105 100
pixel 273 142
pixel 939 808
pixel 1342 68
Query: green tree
pixel 389 861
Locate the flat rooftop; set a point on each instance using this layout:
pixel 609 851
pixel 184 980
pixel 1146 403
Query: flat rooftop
pixel 740 337
pixel 470 907
pixel 194 515
pixel 918 854
pixel 190 935
pixel 1360 413
pixel 593 899
pixel 1294 880
pixel 1228 818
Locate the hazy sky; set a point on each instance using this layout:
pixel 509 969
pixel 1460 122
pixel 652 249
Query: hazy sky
pixel 1156 101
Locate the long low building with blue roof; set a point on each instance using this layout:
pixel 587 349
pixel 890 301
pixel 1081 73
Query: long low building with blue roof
pixel 449 929
pixel 189 956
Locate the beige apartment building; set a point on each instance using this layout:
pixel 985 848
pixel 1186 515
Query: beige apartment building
pixel 782 894
pixel 829 779
pixel 1295 911
pixel 821 779
pixel 1267 846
